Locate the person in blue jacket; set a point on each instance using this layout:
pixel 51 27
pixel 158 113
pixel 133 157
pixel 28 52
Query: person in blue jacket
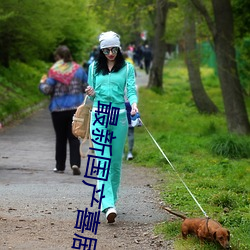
pixel 108 77
pixel 65 83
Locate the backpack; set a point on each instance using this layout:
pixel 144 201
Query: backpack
pixel 81 125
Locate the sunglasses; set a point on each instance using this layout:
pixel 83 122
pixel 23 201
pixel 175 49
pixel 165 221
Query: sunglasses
pixel 106 51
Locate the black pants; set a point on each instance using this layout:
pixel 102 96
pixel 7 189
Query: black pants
pixel 147 65
pixel 62 122
pixel 130 139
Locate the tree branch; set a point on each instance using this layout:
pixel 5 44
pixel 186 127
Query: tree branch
pixel 202 9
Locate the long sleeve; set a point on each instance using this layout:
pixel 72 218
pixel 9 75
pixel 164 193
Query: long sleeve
pixel 91 78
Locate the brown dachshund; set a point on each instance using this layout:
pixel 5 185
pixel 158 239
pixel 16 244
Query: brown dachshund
pixel 204 229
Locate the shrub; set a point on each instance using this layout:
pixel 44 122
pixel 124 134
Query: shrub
pixel 223 200
pixel 231 146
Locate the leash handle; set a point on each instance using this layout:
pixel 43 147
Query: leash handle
pixel 174 170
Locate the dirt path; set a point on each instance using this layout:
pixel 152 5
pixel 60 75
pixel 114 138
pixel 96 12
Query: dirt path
pixel 38 208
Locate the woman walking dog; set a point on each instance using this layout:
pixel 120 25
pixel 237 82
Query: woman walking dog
pixel 108 78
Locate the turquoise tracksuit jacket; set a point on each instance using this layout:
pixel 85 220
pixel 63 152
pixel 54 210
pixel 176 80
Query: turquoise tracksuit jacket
pixel 110 88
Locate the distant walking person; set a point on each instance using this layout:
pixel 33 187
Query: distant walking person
pixel 147 54
pixel 65 84
pixel 130 133
pixel 128 109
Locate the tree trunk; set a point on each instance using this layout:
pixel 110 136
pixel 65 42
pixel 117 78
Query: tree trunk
pixel 223 38
pixel 201 99
pixel 159 47
pixel 235 109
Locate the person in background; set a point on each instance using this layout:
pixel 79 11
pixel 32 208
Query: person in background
pixel 147 54
pixel 92 57
pixel 128 108
pixel 130 133
pixel 65 83
pixel 108 78
pixel 93 54
pixel 139 56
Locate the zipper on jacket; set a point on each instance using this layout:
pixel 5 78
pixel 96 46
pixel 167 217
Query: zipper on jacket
pixel 109 89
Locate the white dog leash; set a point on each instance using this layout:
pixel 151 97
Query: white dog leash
pixel 174 170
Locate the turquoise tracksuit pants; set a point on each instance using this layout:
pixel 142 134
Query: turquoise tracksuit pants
pixel 120 131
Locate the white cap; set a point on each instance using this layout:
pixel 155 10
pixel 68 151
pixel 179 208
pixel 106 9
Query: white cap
pixel 109 39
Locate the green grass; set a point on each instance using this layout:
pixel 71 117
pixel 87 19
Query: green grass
pixel 214 164
pixel 19 88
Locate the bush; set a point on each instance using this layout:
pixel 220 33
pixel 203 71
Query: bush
pixel 231 146
pixel 224 200
pixel 19 88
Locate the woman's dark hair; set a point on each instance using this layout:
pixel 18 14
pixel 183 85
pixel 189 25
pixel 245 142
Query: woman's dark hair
pixel 102 67
pixel 63 52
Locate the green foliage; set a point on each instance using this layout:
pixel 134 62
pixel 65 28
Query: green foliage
pixel 219 183
pixel 175 25
pixel 224 200
pixel 176 18
pixel 128 18
pixel 241 17
pixel 29 33
pixel 19 87
pixel 243 59
pixel 170 230
pixel 231 146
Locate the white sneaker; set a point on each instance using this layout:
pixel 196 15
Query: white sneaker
pixel 76 170
pixel 58 171
pixel 129 156
pixel 111 215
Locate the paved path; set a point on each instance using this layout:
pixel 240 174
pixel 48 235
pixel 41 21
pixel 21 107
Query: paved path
pixel 141 78
pixel 38 208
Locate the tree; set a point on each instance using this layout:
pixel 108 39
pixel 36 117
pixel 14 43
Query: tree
pixel 242 33
pixel 223 38
pixel 159 46
pixel 28 33
pixel 126 17
pixel 201 99
pixel 241 17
